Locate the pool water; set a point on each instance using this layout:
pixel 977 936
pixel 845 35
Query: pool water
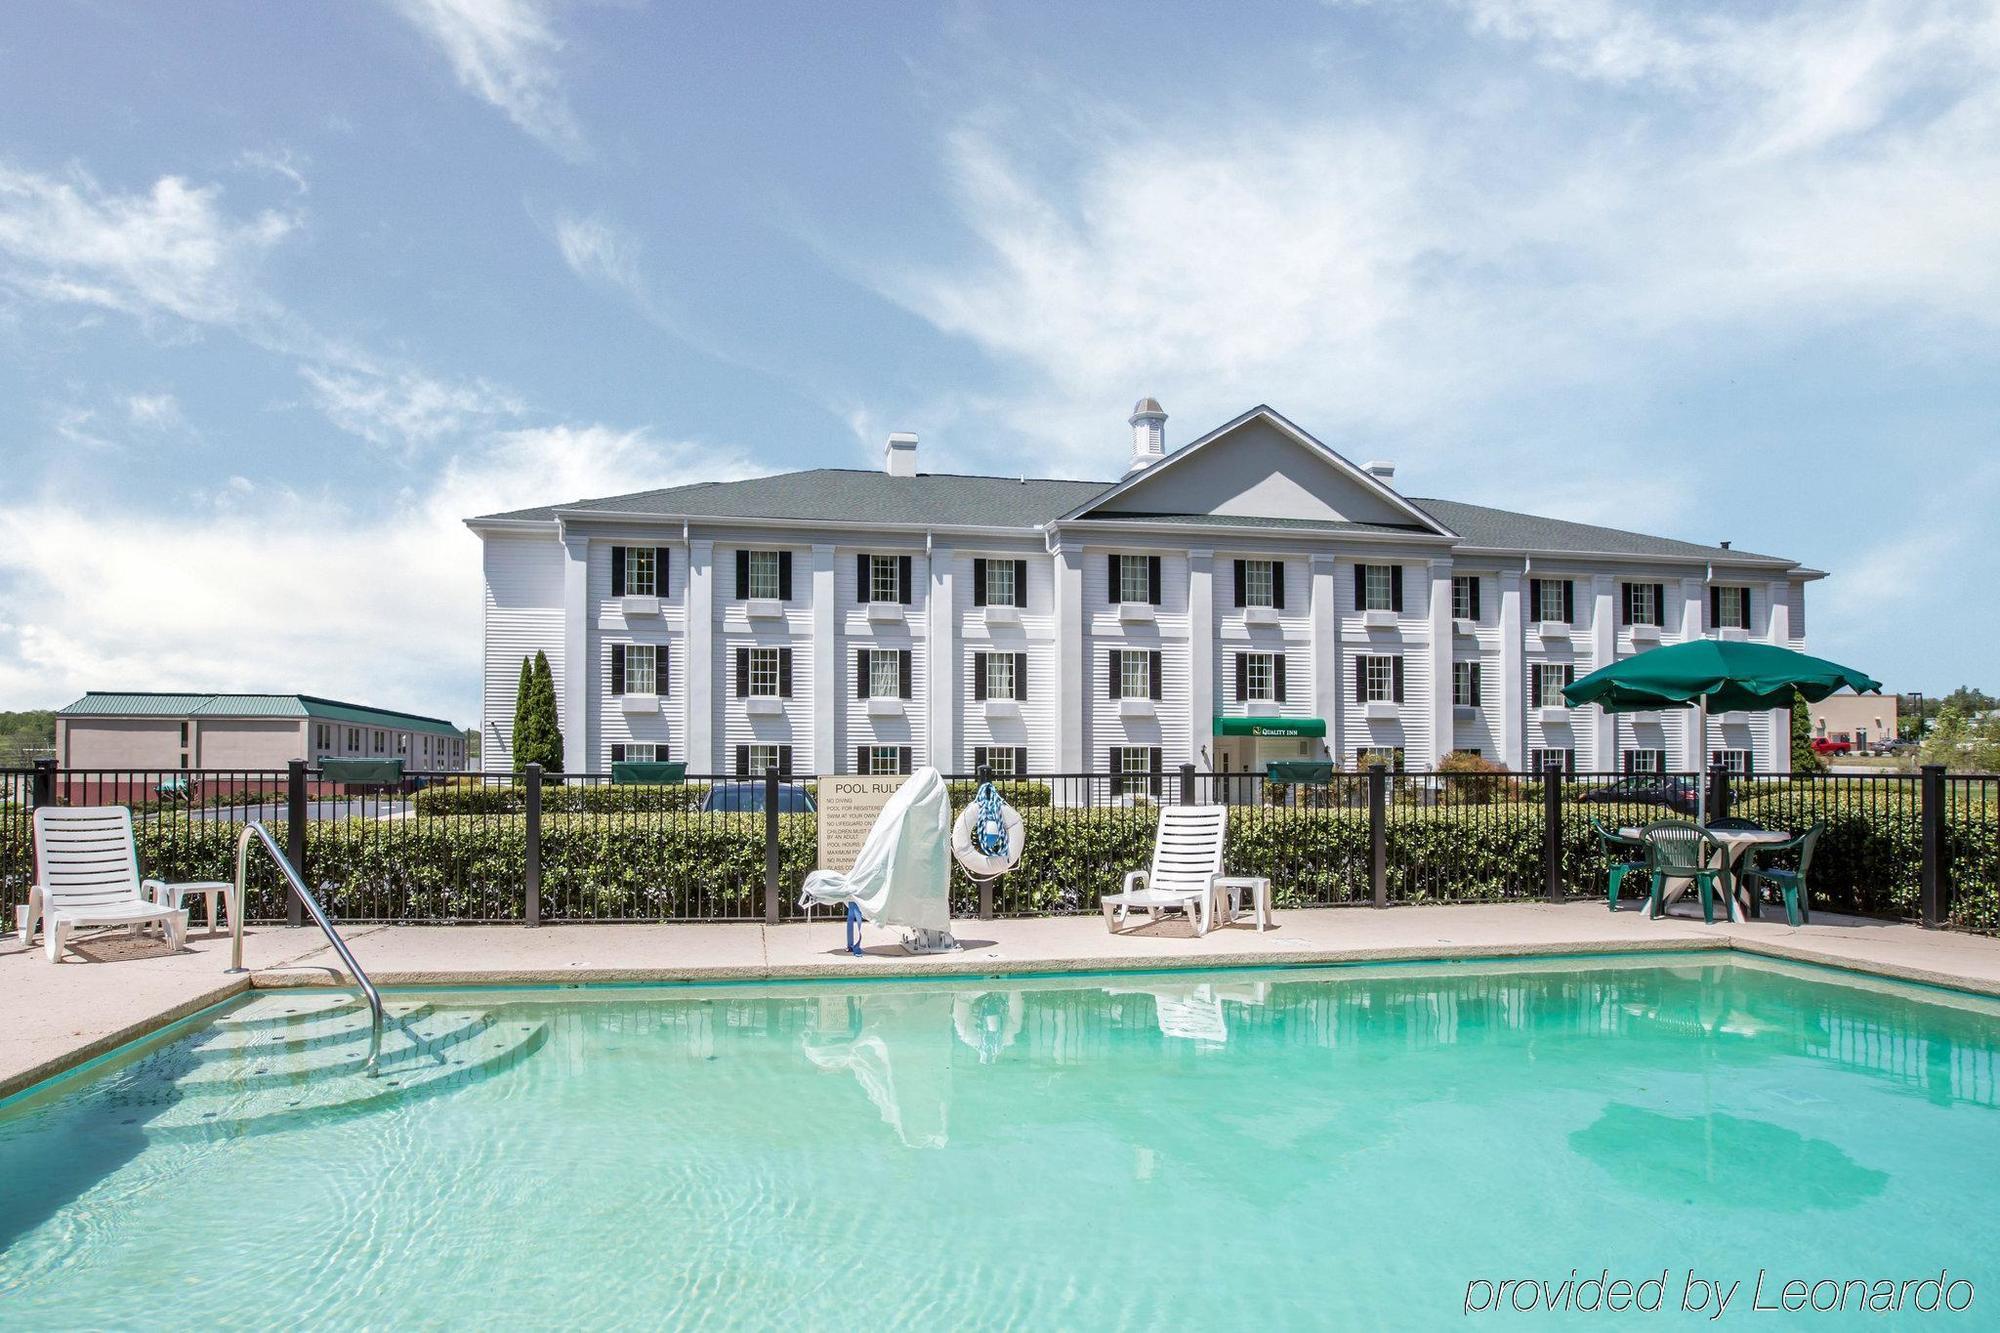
pixel 1245 1149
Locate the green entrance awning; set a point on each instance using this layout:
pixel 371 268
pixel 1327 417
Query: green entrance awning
pixel 1270 726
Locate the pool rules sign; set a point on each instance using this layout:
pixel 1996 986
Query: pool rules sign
pixel 847 810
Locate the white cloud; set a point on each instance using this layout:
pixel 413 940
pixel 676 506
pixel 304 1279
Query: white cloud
pixel 504 51
pixel 600 251
pixel 154 410
pixel 274 590
pixel 405 406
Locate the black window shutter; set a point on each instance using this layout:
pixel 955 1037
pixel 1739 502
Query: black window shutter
pixel 1112 570
pixel 979 759
pixel 617 571
pixel 742 575
pixel 979 582
pixel 1660 604
pixel 1020 583
pixel 742 672
pixel 979 677
pixel 864 585
pixel 1278 584
pixel 1111 767
pixel 784 576
pixel 742 761
pixel 663 561
pixel 903 757
pixel 1569 601
pixel 1112 672
pixel 784 673
pixel 1396 589
pixel 861 760
pixel 1535 599
pixel 617 754
pixel 1624 603
pixel 784 761
pixel 618 668
pixel 1361 680
pixel 1478 685
pixel 903 672
pixel 1242 681
pixel 1239 583
pixel 1020 675
pixel 1569 675
pixel 662 657
pixel 1398 669
pixel 861 673
pixel 1153 665
pixel 1278 675
pixel 1154 763
pixel 1476 581
pixel 1747 621
pixel 1714 608
pixel 903 578
pixel 1534 685
pixel 1360 587
pixel 1153 579
pixel 1020 760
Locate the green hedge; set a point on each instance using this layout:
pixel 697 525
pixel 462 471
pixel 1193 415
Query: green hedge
pixel 557 798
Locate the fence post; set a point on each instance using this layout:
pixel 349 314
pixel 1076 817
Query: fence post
pixel 295 835
pixel 1187 784
pixel 1718 792
pixel 771 845
pixel 983 775
pixel 531 909
pixel 1935 894
pixel 1378 831
pixel 44 789
pixel 1552 830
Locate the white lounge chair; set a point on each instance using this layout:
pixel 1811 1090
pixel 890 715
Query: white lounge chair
pixel 1187 856
pixel 87 875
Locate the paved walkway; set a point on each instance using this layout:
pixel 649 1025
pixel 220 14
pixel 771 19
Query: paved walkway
pixel 58 1016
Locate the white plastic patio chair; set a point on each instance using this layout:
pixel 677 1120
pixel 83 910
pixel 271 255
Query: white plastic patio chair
pixel 87 876
pixel 1187 856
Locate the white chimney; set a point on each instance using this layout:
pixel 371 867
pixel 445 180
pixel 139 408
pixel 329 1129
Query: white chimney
pixel 899 455
pixel 1149 434
pixel 1382 472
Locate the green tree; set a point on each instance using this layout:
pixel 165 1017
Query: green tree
pixel 1805 759
pixel 524 715
pixel 543 740
pixel 1963 741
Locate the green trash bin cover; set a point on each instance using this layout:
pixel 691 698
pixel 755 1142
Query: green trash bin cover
pixel 1317 773
pixel 642 773
pixel 362 771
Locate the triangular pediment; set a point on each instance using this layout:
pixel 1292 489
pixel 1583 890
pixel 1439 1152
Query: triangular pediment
pixel 1260 467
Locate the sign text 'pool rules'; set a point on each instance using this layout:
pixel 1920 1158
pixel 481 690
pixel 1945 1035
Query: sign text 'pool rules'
pixel 847 810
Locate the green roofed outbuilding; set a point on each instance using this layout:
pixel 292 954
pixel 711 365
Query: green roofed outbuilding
pixel 133 729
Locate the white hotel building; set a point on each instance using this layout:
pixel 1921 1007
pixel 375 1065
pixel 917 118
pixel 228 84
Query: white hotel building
pixel 1250 596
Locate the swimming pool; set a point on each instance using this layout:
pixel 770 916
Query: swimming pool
pixel 1244 1149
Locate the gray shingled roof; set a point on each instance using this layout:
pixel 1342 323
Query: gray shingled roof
pixel 868 497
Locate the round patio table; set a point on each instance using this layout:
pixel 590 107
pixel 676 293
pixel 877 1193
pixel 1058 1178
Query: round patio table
pixel 1734 843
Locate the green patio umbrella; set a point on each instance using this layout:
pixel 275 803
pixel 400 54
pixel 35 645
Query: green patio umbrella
pixel 1724 675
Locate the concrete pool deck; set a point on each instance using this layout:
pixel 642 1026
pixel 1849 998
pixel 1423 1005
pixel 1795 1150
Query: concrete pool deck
pixel 117 989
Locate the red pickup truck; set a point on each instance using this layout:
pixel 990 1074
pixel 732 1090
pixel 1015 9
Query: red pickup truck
pixel 1832 745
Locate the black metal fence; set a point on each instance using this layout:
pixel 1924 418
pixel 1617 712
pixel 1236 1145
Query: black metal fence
pixel 536 848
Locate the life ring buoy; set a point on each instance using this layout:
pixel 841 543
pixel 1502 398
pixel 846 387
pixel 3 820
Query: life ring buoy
pixel 984 865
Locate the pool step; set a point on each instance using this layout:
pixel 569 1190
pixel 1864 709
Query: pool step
pixel 221 1087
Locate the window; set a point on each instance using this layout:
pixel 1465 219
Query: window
pixel 999 675
pixel 885 675
pixel 322 736
pixel 1729 608
pixel 1136 770
pixel 1554 600
pixel 1389 756
pixel 1004 761
pixel 1465 597
pixel 1135 578
pixel 1260 677
pixel 1465 684
pixel 764 573
pixel 752 760
pixel 1378 680
pixel 1539 760
pixel 635 571
pixel 884 585
pixel 635 668
pixel 1546 684
pixel 1134 674
pixel 184 733
pixel 1000 582
pixel 634 752
pixel 1643 761
pixel 354 740
pixel 403 743
pixel 882 759
pixel 381 742
pixel 763 672
pixel 1645 603
pixel 1378 587
pixel 1260 583
pixel 1736 761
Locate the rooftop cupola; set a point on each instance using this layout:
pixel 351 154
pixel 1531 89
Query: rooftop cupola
pixel 1149 434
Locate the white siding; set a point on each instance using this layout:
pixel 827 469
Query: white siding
pixel 610 723
pixel 524 595
pixel 1409 639
pixel 1033 723
pixel 1105 723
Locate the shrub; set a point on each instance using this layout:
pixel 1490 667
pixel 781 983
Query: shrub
pixel 1022 795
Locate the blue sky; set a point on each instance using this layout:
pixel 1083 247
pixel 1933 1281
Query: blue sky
pixel 286 291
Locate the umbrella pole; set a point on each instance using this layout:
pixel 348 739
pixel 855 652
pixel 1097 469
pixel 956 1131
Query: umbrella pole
pixel 1701 764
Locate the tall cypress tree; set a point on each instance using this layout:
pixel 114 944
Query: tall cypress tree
pixel 524 714
pixel 1805 759
pixel 548 725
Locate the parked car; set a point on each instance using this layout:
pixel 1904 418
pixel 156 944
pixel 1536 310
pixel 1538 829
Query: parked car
pixel 1831 745
pixel 1677 794
pixel 748 798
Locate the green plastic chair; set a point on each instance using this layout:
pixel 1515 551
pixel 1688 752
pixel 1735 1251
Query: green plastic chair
pixel 1618 865
pixel 1789 883
pixel 1681 850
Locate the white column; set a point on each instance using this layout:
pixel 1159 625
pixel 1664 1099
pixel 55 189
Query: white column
pixel 1326 653
pixel 1778 631
pixel 1513 674
pixel 941 688
pixel 1603 651
pixel 1694 609
pixel 575 696
pixel 1443 719
pixel 827 655
pixel 1201 658
pixel 700 692
pixel 1071 687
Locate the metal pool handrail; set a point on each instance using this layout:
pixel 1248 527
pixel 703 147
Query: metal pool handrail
pixel 298 885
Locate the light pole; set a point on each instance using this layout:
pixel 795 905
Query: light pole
pixel 1918 695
